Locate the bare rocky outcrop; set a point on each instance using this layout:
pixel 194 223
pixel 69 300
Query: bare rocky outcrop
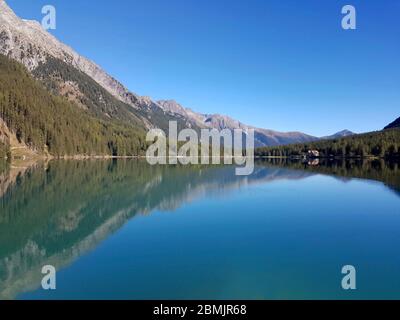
pixel 27 42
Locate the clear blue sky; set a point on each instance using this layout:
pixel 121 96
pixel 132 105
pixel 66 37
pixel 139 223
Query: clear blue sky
pixel 280 64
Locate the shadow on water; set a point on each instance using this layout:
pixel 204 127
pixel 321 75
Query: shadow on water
pixel 52 213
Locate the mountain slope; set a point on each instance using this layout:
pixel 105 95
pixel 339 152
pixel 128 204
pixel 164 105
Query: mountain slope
pixel 27 42
pixel 50 124
pixel 71 75
pixel 394 124
pixel 63 79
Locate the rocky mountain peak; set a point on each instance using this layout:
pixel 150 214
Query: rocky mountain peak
pixel 5 9
pixel 27 42
pixel 172 106
pixel 345 133
pixel 340 134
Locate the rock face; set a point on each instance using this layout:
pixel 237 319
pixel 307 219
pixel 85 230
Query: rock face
pixel 27 42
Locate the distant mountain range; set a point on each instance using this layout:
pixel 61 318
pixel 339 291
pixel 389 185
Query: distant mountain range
pixel 85 84
pixel 263 137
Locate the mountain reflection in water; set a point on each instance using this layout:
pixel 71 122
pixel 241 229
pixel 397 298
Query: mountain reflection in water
pixel 53 213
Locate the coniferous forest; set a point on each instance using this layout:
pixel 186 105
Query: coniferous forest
pixel 97 100
pixel 381 144
pixel 51 124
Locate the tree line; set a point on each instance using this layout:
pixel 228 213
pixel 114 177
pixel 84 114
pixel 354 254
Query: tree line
pixel 381 144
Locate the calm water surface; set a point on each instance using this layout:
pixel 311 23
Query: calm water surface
pixel 126 230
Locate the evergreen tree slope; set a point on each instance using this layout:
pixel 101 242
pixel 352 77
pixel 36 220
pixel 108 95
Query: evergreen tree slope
pixel 50 123
pixel 63 79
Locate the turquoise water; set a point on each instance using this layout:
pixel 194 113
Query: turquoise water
pixel 125 230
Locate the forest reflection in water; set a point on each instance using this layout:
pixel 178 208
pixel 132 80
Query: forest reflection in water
pixel 55 212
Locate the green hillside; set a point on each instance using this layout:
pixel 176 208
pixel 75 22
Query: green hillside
pixel 64 80
pixel 56 75
pixel 384 144
pixel 49 123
